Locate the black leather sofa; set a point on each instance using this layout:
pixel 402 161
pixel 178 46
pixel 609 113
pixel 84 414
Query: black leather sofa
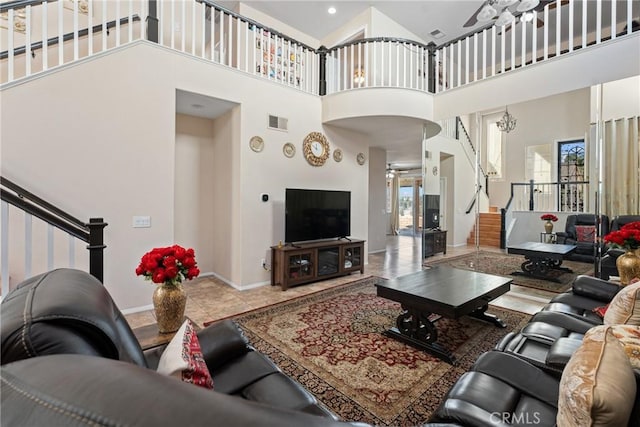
pixel 519 382
pixel 65 312
pixel 608 263
pixel 585 250
pixel 81 390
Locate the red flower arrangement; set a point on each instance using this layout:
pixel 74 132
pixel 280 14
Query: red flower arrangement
pixel 549 217
pixel 170 265
pixel 627 238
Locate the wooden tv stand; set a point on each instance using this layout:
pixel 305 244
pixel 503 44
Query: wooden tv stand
pixel 297 264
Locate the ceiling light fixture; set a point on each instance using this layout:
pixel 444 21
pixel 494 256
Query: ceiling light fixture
pixel 526 17
pixel 526 5
pixel 505 18
pixel 358 77
pixel 487 13
pixel 499 11
pixel 507 123
pixel 332 10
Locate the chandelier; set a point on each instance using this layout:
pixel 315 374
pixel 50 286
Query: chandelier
pixel 507 123
pixel 490 10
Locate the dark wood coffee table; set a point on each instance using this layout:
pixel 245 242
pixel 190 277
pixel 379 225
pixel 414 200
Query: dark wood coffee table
pixel 541 259
pixel 427 295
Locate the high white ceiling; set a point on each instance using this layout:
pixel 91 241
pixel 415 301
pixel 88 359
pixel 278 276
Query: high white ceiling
pixel 419 17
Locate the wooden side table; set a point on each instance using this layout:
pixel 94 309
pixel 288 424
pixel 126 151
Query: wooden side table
pixel 149 337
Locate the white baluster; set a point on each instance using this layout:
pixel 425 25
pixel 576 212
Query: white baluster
pixel 584 23
pixel 613 19
pixel 89 26
pixel 118 24
pixel 558 27
pixel 72 252
pixel 545 29
pixel 45 36
pixel 50 230
pixel 193 28
pixel 28 244
pixel 534 39
pixel 60 34
pixel 130 21
pixel 571 35
pixel 4 223
pixel 598 21
pixel 27 33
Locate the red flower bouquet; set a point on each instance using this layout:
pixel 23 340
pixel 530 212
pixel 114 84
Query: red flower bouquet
pixel 627 238
pixel 170 265
pixel 549 217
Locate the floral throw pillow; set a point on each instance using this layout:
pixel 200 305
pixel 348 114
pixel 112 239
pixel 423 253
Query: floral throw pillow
pixel 183 358
pixel 596 383
pixel 585 233
pixel 629 337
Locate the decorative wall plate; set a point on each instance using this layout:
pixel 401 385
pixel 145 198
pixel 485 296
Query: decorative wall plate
pixel 256 143
pixel 316 149
pixel 435 170
pixel 337 155
pixel 360 158
pixel 289 150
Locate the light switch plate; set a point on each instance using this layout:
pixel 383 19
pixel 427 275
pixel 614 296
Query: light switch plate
pixel 141 221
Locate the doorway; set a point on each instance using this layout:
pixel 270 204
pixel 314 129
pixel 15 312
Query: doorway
pixel 410 206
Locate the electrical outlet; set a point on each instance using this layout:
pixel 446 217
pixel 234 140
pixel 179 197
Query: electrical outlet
pixel 263 263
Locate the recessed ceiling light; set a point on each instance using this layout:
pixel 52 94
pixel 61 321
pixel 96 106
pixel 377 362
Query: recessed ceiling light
pixel 197 106
pixel 331 10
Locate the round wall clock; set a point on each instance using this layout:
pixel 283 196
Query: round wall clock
pixel 256 143
pixel 289 150
pixel 316 149
pixel 360 158
pixel 337 155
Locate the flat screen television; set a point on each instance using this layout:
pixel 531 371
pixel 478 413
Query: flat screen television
pixel 431 211
pixel 316 214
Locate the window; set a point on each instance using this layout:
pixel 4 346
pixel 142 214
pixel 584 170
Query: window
pixel 571 161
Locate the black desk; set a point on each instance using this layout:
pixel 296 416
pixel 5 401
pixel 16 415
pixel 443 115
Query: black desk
pixel 541 258
pixel 444 291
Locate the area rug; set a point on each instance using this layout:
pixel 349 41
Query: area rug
pixel 331 342
pixel 504 264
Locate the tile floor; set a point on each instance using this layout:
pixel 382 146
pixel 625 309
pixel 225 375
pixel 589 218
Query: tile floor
pixel 211 299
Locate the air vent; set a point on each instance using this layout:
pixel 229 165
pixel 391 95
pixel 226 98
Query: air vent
pixel 279 123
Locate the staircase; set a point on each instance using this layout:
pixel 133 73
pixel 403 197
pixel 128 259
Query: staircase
pixel 489 229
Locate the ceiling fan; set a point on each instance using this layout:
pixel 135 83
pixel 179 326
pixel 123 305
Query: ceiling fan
pixel 499 10
pixel 394 171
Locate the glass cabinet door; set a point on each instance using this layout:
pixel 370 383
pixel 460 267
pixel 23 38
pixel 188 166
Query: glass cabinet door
pixel 352 257
pixel 300 266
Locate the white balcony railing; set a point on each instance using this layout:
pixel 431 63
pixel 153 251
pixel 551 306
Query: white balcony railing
pixel 37 35
pixel 565 26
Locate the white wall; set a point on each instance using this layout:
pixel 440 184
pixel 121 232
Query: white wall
pixel 541 121
pixel 109 150
pixel 620 99
pixel 378 219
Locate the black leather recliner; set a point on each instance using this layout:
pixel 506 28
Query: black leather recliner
pixel 586 294
pixel 555 332
pixel 608 263
pixel 502 389
pixel 72 389
pixel 585 251
pixel 68 311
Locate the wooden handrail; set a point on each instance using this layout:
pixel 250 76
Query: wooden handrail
pixel 91 232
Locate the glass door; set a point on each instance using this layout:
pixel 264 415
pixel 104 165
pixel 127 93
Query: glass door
pixel 410 206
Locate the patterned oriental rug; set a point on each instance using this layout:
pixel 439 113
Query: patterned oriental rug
pixel 331 342
pixel 503 265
